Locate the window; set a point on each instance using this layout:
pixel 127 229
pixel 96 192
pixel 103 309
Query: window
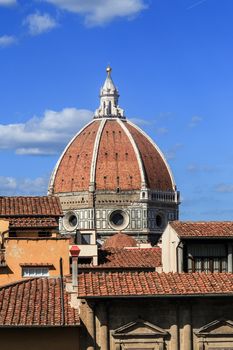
pixel 207 264
pixel 119 219
pixel 86 238
pixel 35 271
pixel 159 220
pixel 207 257
pixel 70 221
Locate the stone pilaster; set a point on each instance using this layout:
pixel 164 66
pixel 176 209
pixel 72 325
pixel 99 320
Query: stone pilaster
pixel 187 327
pixel 174 330
pixel 103 323
pixel 90 325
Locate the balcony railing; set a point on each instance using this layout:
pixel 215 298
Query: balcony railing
pixel 165 196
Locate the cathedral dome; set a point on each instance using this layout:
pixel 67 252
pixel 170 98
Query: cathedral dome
pixel 111 154
pixel 112 177
pixel 119 241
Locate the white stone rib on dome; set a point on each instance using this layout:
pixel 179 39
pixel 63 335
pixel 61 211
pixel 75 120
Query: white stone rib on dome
pixel 158 150
pixel 95 154
pixel 52 178
pixel 137 153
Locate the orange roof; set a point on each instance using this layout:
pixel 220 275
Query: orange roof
pixel 203 229
pixel 119 240
pixel 30 206
pixel 123 258
pixel 107 284
pixel 119 152
pixel 35 302
pixel 138 258
pixel 32 222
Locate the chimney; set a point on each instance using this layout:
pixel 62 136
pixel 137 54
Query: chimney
pixel 74 251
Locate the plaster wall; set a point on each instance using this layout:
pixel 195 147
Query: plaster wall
pixel 34 251
pixel 170 241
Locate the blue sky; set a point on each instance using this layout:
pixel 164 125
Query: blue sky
pixel 172 62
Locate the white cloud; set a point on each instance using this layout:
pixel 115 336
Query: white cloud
pixel 46 135
pixel 10 186
pixel 8 2
pixel 172 152
pixel 224 188
pixel 40 23
pixel 140 121
pixel 195 121
pixel 7 183
pixel 98 12
pixel 7 40
pixel 162 130
pixel 195 168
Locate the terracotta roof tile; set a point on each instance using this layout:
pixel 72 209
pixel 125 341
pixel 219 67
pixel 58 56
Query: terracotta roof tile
pixel 42 206
pixel 203 229
pixel 104 284
pixel 35 302
pixel 73 173
pixel 117 164
pixel 129 258
pixel 157 173
pixel 32 222
pixel 120 240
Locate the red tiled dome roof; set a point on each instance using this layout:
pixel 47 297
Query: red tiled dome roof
pixel 111 153
pixel 120 240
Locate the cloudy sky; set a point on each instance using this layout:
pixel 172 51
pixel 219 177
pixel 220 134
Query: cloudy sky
pixel 172 62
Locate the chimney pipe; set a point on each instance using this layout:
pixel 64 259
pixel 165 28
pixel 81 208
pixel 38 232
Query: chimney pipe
pixel 74 251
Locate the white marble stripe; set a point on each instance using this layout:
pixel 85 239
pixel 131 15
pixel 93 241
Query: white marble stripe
pixel 158 150
pixel 137 153
pixel 95 155
pixel 52 178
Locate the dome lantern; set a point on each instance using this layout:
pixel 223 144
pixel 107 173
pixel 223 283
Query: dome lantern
pixel 109 96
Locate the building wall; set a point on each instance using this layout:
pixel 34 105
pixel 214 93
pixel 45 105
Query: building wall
pixel 40 338
pixel 179 320
pixel 141 213
pixel 170 242
pixel 4 226
pixel 34 251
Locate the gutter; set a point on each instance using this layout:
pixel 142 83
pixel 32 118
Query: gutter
pixel 162 296
pixel 63 321
pixel 205 237
pixel 40 326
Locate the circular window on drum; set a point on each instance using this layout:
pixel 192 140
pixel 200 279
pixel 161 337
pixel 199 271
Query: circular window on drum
pixel 70 221
pixel 119 219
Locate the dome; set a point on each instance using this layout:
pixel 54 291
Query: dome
pixel 111 153
pixel 119 241
pixel 112 177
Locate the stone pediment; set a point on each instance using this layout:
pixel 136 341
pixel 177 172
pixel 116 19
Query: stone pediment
pixel 139 328
pixel 217 328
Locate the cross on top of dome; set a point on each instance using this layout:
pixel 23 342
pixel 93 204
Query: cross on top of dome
pixel 109 95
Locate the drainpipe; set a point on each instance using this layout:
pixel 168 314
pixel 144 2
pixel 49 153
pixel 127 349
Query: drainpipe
pixel 75 251
pixel 62 294
pixel 179 257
